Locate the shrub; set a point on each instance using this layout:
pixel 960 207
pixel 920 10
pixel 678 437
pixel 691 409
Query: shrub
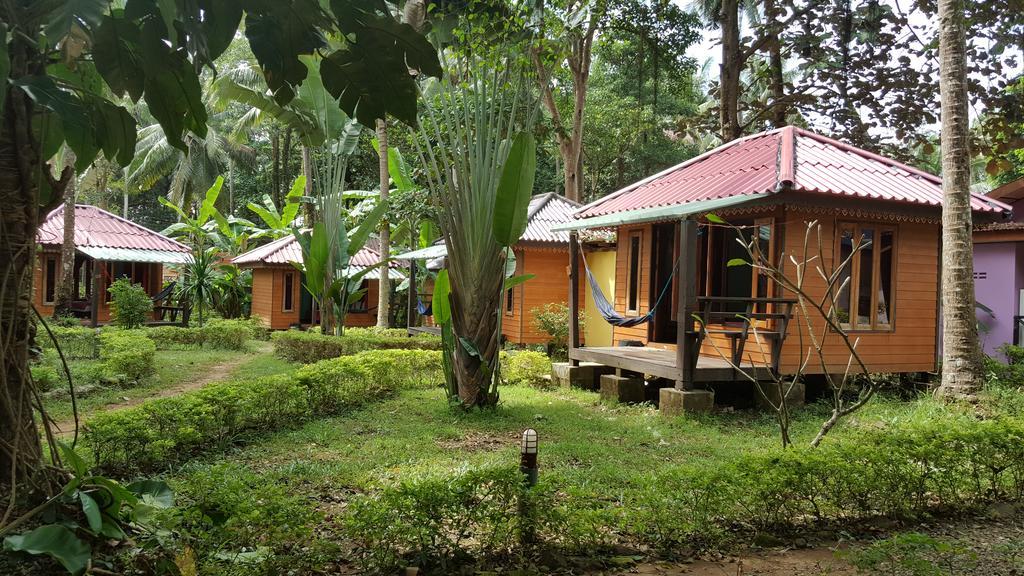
pixel 526 368
pixel 553 319
pixel 130 305
pixel 127 355
pixel 46 377
pixel 438 522
pixel 164 431
pixel 216 334
pixel 226 334
pixel 948 464
pixel 309 347
pixel 77 343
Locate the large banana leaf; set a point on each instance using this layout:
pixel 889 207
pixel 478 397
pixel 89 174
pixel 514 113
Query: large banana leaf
pixel 514 190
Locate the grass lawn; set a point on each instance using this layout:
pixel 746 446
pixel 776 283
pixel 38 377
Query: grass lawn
pixel 585 444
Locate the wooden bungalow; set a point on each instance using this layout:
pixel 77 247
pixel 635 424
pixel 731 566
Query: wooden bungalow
pixel 673 261
pixel 107 247
pixel 542 252
pixel 279 297
pixel 999 273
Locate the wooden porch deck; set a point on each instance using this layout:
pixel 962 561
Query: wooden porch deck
pixel 662 363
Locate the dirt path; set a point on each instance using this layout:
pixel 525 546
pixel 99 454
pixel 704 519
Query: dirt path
pixel 206 375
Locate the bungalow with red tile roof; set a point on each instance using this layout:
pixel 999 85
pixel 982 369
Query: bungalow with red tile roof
pixel 279 297
pixel 771 185
pixel 107 247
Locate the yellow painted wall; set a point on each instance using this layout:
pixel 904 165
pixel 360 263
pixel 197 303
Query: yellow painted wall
pixel 596 331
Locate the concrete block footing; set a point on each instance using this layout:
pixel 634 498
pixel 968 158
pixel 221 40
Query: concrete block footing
pixel 674 402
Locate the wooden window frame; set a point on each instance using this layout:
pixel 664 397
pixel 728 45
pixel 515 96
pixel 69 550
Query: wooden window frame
pixel 288 294
pixel 877 229
pixel 633 284
pixel 48 279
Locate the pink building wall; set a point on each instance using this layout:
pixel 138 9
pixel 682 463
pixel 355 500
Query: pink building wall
pixel 998 280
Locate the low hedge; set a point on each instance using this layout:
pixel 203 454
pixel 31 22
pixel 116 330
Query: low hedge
pixel 216 334
pixel 76 342
pixel 526 368
pixel 902 472
pixel 163 432
pixel 309 347
pixel 127 355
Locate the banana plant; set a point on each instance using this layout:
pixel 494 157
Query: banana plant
pixel 327 250
pixel 279 223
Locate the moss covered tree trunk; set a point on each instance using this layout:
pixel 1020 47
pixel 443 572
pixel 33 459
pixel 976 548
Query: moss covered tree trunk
pixel 20 449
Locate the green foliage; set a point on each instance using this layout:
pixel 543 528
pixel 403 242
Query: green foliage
pixel 441 521
pixel 914 554
pixel 165 431
pixel 90 511
pixel 227 334
pixel 553 319
pixel 130 305
pixel 77 343
pixel 46 377
pixel 308 347
pixel 230 529
pixel 127 355
pixel 526 368
pixel 899 472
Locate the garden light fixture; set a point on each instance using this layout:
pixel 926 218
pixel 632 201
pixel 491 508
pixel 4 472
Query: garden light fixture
pixel 528 456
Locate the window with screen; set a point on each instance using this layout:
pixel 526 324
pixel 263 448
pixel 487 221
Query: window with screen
pixel 866 253
pixel 633 282
pixel 289 292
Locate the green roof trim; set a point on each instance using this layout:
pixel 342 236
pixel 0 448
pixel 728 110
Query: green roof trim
pixel 656 213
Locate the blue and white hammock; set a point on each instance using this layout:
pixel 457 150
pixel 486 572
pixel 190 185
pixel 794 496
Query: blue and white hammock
pixel 608 311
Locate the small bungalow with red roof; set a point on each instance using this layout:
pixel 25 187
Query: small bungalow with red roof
pixel 999 273
pixel 674 263
pixel 107 247
pixel 541 252
pixel 279 297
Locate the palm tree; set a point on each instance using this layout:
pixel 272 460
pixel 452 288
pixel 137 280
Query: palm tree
pixel 190 173
pixel 961 366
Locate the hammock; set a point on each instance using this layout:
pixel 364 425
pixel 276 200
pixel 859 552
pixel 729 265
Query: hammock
pixel 424 308
pixel 608 311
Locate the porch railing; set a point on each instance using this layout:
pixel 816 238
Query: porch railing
pixel 739 318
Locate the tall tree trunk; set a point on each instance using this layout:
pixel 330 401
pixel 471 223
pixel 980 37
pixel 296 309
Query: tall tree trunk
pixel 777 80
pixel 286 156
pixel 275 168
pixel 729 76
pixel 307 171
pixel 20 449
pixel 475 319
pixel 961 366
pixel 384 285
pixel 67 252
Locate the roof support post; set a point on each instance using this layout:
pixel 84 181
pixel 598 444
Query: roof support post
pixel 411 318
pixel 686 342
pixel 574 290
pixel 97 286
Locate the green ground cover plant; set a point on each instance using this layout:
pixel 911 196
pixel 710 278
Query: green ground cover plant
pixel 77 342
pixel 309 347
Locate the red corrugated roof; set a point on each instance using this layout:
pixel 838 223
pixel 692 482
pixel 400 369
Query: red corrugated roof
pixel 787 158
pixel 545 211
pixel 286 250
pixel 97 228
